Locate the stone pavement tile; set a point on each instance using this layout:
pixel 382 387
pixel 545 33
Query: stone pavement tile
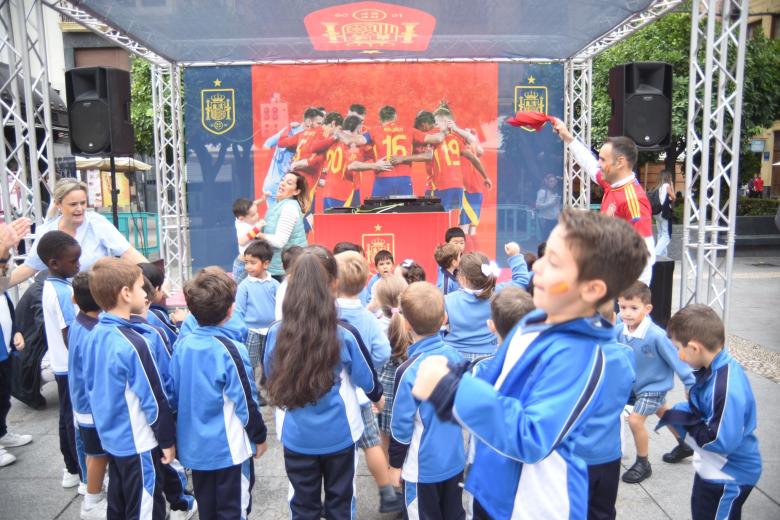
pixel 634 500
pixel 766 394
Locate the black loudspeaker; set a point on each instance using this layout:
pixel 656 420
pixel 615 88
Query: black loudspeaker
pixel 661 289
pixel 99 111
pixel 642 104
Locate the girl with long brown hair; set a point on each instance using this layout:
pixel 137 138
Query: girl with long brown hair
pixel 312 362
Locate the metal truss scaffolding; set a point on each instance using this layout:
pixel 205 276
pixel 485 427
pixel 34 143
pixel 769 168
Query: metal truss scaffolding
pixel 577 108
pixel 169 164
pixel 168 143
pixel 27 159
pixel 718 33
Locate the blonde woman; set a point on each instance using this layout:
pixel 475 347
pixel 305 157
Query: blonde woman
pixel 97 237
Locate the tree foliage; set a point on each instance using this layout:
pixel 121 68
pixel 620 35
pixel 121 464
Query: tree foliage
pixel 668 40
pixel 141 110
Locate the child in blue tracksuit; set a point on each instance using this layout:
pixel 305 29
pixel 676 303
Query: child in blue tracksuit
pixel 656 364
pixel 318 418
pixel 447 257
pixel 92 457
pixel 528 407
pixel 158 314
pixel 468 308
pixel 256 298
pixel 219 426
pixel 599 445
pixel 352 274
pixel 424 450
pixel 719 419
pixel 131 412
pixel 61 253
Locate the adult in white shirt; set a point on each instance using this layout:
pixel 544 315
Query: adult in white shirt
pixel 97 237
pixel 663 220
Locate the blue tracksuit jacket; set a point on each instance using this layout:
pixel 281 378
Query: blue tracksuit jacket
pixel 429 450
pixel 159 348
pixel 468 315
pixel 527 417
pixel 235 328
pixel 599 441
pixel 78 337
pixel 446 281
pixel 158 316
pixel 218 415
pixel 719 422
pixel 126 393
pixel 334 421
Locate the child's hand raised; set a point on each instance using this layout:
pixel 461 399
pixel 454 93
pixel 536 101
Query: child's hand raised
pixel 260 450
pixel 432 370
pixel 18 341
pixel 512 248
pixel 168 455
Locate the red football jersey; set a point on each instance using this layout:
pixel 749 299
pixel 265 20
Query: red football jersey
pixel 628 202
pixel 395 140
pixel 339 180
pixel 447 162
pixel 472 180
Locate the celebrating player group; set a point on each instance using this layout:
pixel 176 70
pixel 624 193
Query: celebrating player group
pixel 334 153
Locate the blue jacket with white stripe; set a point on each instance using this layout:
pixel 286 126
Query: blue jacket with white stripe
pixel 527 426
pixel 429 450
pixel 599 441
pixel 719 422
pixel 126 393
pixel 78 336
pixel 158 316
pixel 218 415
pixel 334 421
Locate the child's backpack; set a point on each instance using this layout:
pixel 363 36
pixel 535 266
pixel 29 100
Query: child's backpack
pixel 655 201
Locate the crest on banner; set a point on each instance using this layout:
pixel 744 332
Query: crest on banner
pixel 376 242
pixel 531 98
pixel 218 109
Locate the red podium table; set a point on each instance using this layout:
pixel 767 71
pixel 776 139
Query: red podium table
pixel 405 235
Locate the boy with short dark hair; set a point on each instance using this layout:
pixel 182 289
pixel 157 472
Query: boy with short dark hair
pixel 219 425
pixel 507 308
pixel 247 229
pixel 527 408
pixel 447 256
pixel 256 298
pixel 719 419
pixel 457 236
pixel 132 415
pixel 60 252
pixel 385 265
pixel 425 451
pixel 158 314
pixel 656 363
pixel 94 466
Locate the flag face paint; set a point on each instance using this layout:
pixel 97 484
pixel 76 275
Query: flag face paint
pixel 559 288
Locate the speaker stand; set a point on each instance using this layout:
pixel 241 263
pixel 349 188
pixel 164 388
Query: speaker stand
pixel 114 193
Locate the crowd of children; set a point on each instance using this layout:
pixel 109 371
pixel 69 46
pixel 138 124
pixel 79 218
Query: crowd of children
pixel 523 392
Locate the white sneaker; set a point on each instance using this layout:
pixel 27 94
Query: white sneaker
pixel 82 488
pixel 184 515
pixel 70 480
pixel 6 458
pixel 12 440
pixel 96 512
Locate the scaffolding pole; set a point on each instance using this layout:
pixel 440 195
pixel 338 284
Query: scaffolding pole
pixel 27 160
pixel 171 180
pixel 717 60
pixel 578 91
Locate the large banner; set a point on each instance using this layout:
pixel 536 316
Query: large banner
pixel 235 115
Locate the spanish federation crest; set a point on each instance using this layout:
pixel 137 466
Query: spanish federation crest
pixel 531 98
pixel 218 109
pixel 376 242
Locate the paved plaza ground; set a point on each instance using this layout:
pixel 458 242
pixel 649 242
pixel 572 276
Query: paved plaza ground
pixel 30 489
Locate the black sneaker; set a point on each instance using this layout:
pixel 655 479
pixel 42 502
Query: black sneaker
pixel 393 504
pixel 680 452
pixel 637 473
